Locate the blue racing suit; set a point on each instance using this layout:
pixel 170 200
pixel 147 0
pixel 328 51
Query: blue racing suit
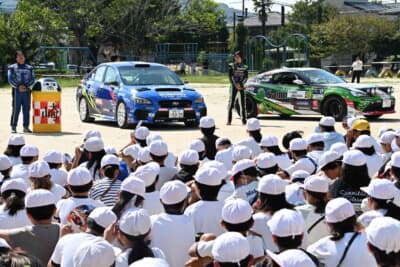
pixel 20 75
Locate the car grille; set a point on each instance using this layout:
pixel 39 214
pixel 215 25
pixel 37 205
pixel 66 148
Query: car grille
pixel 378 107
pixel 175 103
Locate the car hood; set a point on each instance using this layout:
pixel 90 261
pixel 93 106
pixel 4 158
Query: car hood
pixel 353 86
pixel 165 92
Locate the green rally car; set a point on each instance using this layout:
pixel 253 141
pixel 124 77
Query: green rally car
pixel 312 91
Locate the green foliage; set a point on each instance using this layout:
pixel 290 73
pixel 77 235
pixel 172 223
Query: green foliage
pixel 241 37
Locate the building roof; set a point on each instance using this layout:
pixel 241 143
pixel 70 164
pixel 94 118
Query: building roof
pixel 274 19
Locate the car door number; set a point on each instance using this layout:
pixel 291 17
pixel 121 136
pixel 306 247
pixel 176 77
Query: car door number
pixel 175 113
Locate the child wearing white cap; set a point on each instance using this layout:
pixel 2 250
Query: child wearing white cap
pixel 14 145
pixel 28 155
pixel 266 164
pixel 198 145
pixel 315 146
pixel 94 253
pixel 245 179
pixel 354 176
pixel 106 189
pixel 330 165
pixel 149 174
pixel 330 136
pixel 345 246
pixel 94 149
pixel 153 262
pixel 79 183
pixel 383 235
pixel 39 239
pixel 316 190
pixel 206 213
pixel 225 152
pixel 231 249
pixel 131 195
pixel 189 164
pixel 12 212
pixel 270 144
pixel 55 161
pixel 293 192
pixel 98 220
pixel 253 141
pixel 207 128
pixel 172 231
pixel 374 161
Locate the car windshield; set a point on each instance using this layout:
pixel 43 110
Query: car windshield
pixel 153 75
pixel 321 77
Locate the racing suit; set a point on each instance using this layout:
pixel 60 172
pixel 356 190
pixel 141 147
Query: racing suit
pixel 20 75
pixel 237 75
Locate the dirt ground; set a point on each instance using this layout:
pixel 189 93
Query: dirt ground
pixel 177 136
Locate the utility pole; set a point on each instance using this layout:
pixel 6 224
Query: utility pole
pixel 243 9
pixel 234 26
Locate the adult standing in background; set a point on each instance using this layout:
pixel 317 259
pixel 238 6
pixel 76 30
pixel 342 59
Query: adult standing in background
pixel 237 77
pixel 357 69
pixel 20 77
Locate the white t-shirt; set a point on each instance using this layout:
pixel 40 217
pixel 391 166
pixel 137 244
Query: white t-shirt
pixel 206 216
pixel 252 144
pixel 357 65
pixel 152 203
pixel 226 191
pixel 59 176
pixel 65 206
pixel 374 163
pixel 283 161
pixel 315 155
pixel 67 246
pixel 21 171
pixel 57 190
pixel 329 252
pixel 122 259
pixel 166 174
pixel 20 219
pixel 261 228
pixel 170 160
pixel 225 156
pixel 320 229
pixel 15 160
pixel 246 192
pixel 304 164
pixel 173 234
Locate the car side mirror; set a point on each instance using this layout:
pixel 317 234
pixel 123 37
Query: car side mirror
pixel 298 82
pixel 113 83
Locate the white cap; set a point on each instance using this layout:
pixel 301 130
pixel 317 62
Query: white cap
pixel 14 184
pixel 326 158
pixel 363 141
pixel 253 124
pixel 207 122
pixel 39 198
pixel 297 144
pixel 395 159
pixel 380 189
pixel 209 176
pixel 222 139
pixel 398 131
pixel 387 137
pixel 4 244
pixel 367 217
pixel 158 148
pixel 197 145
pixel 394 146
pixel 133 185
pixel 79 176
pixel 338 210
pixel 147 262
pixel 230 247
pixel 351 120
pixel 5 163
pixel 383 129
pixel 314 138
pixel 291 258
pixel 29 151
pixel 173 192
pixel 148 173
pixel 91 133
pixel 94 144
pixel 269 140
pixel 241 152
pixel 16 140
pixel 266 160
pixel 53 156
pixel 103 216
pixel 339 148
pixel 39 169
pixel 132 151
pixel 110 150
pixel 236 211
pixel 189 157
pixel 242 165
pixel 286 223
pixel 384 233
pixel 109 160
pixel 144 155
pixel 141 133
pixel 315 183
pixel 354 158
pixel 327 121
pixel 135 222
pixel 271 184
pixel 153 137
pixel 219 166
pixel 299 174
pixel 94 253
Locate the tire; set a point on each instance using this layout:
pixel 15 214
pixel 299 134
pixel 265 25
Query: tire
pixel 84 112
pixel 121 115
pixel 192 124
pixel 372 117
pixel 334 106
pixel 251 107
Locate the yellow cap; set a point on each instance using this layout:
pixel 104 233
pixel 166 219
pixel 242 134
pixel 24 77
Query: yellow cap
pixel 360 125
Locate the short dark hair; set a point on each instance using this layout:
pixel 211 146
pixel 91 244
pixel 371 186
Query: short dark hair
pixel 26 160
pixel 367 150
pixel 273 203
pixel 396 172
pixel 207 131
pixel 81 188
pixel 265 171
pixel 331 166
pixel 289 242
pixel 355 176
pixel 176 209
pixel 327 128
pixel 18 52
pixel 239 227
pixel 339 229
pixel 13 150
pixel 208 192
pixel 299 153
pixel 158 158
pixel 318 144
pixel 243 263
pixel 383 258
pixel 274 150
pixel 53 165
pixel 95 227
pixel 42 213
pixel 289 137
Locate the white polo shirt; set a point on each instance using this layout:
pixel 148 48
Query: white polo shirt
pixel 329 252
pixel 320 229
pixel 65 206
pixel 174 235
pixel 152 203
pixel 206 216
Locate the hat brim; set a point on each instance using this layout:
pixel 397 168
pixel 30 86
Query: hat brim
pixel 365 189
pixel 274 257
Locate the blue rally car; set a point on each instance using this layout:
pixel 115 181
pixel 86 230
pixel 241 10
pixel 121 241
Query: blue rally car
pixel 129 92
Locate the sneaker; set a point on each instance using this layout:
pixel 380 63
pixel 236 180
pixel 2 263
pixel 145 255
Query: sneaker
pixel 27 130
pixel 13 130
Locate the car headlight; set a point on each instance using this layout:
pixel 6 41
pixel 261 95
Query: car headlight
pixel 357 93
pixel 143 101
pixel 199 100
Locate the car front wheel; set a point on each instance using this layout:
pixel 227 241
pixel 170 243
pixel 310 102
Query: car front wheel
pixel 84 113
pixel 122 116
pixel 334 106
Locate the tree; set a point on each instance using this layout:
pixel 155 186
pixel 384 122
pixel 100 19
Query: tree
pixel 262 7
pixel 241 38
